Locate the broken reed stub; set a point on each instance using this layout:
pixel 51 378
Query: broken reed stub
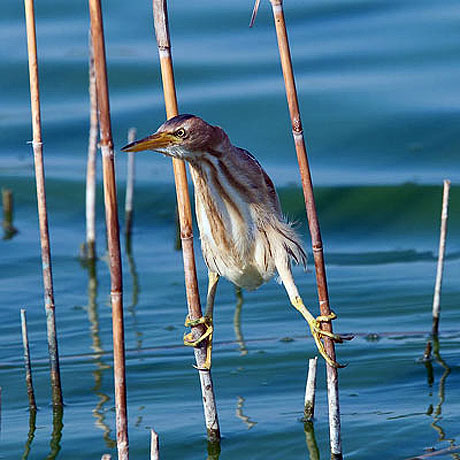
pixel 154 445
pixel 441 252
pixel 27 365
pixel 310 391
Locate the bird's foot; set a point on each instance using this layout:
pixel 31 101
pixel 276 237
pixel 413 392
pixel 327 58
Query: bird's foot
pixel 190 341
pixel 318 333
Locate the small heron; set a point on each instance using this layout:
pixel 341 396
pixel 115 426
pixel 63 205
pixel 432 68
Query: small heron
pixel 244 235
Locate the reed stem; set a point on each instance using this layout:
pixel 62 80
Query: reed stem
pixel 310 390
pixel 91 162
pixel 185 219
pixel 113 232
pixel 28 367
pixel 313 223
pixel 154 445
pixel 37 146
pixel 442 250
pixel 130 174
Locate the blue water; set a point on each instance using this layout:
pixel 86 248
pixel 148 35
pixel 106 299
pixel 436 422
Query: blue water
pixel 379 92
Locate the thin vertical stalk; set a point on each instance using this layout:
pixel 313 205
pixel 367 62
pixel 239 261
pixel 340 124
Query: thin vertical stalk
pixel 113 233
pixel 91 162
pixel 313 223
pixel 130 174
pixel 28 367
pixel 185 219
pixel 310 390
pixel 442 250
pixel 41 199
pixel 154 444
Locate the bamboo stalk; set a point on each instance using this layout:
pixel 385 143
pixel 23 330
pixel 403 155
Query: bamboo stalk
pixel 313 223
pixel 130 174
pixel 154 445
pixel 442 250
pixel 7 202
pixel 185 218
pixel 41 199
pixel 91 162
pixel 113 236
pixel 28 367
pixel 310 390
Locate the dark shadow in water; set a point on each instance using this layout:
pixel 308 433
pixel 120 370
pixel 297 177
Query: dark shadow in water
pixel 31 433
pixel 239 413
pixel 436 412
pixel 213 451
pixel 135 294
pixel 310 438
pixel 56 435
pixel 101 366
pixel 237 322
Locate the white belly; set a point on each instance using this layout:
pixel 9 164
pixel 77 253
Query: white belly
pixel 247 263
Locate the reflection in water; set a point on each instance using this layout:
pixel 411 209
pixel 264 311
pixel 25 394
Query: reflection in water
pixel 312 446
pixel 31 433
pixel 8 228
pixel 436 413
pixel 237 322
pixel 56 435
pixel 241 416
pixel 135 295
pixel 93 317
pixel 213 451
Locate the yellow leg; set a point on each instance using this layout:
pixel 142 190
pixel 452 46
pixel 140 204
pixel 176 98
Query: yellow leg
pixel 207 320
pixel 316 331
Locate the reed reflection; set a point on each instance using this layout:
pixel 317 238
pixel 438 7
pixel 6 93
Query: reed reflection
pixel 93 317
pixel 135 293
pixel 56 435
pixel 213 451
pixel 9 229
pixel 31 433
pixel 237 322
pixel 310 438
pixel 239 413
pixel 436 412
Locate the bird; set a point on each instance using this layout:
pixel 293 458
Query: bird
pixel 244 235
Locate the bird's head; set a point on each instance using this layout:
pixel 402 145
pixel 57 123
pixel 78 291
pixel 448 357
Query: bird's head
pixel 185 137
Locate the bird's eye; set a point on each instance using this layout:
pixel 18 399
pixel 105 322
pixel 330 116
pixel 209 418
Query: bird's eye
pixel 180 132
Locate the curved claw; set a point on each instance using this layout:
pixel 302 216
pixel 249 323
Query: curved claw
pixel 317 334
pixel 190 341
pixel 326 318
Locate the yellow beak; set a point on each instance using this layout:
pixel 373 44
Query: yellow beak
pixel 153 142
